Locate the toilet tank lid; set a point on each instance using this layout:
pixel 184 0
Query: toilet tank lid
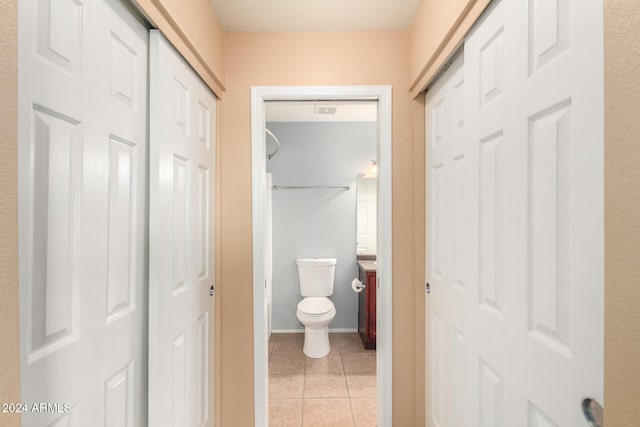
pixel 316 261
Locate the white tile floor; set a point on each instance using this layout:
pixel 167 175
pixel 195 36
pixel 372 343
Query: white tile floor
pixel 337 390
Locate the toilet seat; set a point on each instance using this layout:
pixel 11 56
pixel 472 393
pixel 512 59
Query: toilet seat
pixel 315 306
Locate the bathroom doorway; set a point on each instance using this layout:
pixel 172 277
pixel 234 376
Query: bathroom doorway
pixel 320 216
pixel 332 193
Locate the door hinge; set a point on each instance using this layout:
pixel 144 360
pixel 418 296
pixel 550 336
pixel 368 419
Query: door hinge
pixel 427 288
pixel 212 290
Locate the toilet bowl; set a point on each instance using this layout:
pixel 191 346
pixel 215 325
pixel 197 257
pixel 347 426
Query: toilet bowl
pixel 316 313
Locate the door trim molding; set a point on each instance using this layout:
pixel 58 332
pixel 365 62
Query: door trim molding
pixel 383 94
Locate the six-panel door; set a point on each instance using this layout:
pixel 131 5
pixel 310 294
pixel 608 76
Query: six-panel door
pixel 83 175
pixel 519 245
pixel 181 228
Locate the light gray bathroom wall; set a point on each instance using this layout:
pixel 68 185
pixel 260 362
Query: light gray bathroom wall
pixel 317 223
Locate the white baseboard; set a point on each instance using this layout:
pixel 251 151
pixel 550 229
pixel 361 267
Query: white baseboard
pixel 342 330
pixel 301 331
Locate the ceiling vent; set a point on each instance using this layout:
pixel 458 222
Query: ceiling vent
pixel 319 109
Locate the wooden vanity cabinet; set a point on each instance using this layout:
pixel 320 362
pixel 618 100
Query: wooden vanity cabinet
pixel 367 308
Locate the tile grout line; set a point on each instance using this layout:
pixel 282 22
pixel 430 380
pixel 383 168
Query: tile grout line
pixel 353 415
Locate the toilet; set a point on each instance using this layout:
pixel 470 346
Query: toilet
pixel 316 311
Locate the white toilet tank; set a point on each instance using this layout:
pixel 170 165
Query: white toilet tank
pixel 316 276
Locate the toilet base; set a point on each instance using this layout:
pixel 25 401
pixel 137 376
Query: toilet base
pixel 316 342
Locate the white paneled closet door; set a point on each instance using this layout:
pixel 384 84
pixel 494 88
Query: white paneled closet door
pixel 82 159
pixel 447 225
pixel 181 228
pixel 531 343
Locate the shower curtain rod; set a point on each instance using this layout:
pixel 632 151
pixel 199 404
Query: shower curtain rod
pixel 304 187
pixel 269 156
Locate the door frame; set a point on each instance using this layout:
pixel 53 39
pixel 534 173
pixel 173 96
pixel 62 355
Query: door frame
pixel 383 95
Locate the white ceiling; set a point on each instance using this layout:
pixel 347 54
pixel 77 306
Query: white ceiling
pixel 309 111
pixel 314 15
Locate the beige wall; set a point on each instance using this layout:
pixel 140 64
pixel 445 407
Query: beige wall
pixel 309 59
pixel 622 208
pixel 9 322
pixel 195 32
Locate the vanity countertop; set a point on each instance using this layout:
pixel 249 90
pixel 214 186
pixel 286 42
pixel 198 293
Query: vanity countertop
pixel 368 266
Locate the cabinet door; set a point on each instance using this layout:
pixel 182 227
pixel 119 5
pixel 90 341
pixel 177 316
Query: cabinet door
pixel 362 307
pixel 371 308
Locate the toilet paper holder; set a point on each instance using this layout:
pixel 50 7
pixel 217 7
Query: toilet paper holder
pixel 357 285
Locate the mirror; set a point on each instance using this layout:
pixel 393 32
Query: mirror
pixel 367 212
